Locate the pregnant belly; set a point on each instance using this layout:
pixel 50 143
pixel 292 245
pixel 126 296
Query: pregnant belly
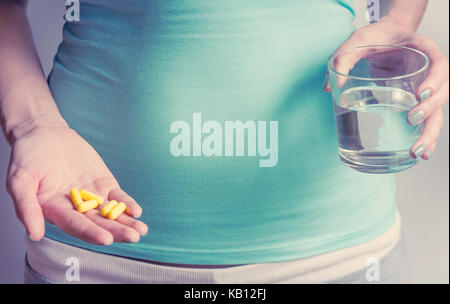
pixel 124 89
pixel 125 106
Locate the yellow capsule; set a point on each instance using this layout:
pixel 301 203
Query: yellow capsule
pixel 86 195
pixel 75 197
pixel 116 211
pixel 107 208
pixel 86 206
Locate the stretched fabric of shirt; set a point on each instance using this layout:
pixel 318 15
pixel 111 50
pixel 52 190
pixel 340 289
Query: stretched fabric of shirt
pixel 128 69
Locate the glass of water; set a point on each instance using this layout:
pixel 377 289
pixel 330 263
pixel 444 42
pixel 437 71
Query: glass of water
pixel 373 89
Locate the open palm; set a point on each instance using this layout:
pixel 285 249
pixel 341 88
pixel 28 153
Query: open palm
pixel 44 165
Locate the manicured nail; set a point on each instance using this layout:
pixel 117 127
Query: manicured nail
pixel 419 151
pixel 325 82
pixel 425 94
pixel 415 117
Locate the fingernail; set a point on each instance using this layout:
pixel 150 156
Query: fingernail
pixel 107 242
pixel 415 117
pixel 425 94
pixel 429 154
pixel 419 151
pixel 32 238
pixel 325 82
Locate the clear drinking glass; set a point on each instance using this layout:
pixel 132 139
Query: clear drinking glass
pixel 373 88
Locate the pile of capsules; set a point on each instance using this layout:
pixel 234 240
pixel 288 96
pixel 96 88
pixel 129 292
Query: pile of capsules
pixel 84 201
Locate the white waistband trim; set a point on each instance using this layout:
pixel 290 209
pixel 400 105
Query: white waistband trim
pixel 48 258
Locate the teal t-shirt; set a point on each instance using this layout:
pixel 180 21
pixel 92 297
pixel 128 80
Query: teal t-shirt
pixel 128 70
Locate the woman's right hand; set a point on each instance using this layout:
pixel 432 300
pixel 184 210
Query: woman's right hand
pixel 46 162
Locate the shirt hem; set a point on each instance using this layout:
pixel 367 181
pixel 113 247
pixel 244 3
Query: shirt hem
pixel 246 256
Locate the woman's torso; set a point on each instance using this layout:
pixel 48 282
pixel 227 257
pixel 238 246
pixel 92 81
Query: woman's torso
pixel 129 69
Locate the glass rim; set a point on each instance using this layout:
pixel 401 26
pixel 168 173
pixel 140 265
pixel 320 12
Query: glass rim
pixel 422 69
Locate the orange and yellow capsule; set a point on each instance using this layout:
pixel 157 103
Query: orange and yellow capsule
pixel 108 207
pixel 117 210
pixel 84 201
pixel 86 206
pixel 75 197
pixel 87 195
pixel 78 202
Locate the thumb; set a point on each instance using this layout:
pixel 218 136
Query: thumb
pixel 345 60
pixel 22 188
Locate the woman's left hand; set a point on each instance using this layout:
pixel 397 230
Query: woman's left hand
pixel 433 93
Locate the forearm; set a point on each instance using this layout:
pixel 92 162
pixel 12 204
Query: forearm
pixel 405 13
pixel 25 99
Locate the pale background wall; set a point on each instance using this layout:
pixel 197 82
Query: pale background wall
pixel 423 193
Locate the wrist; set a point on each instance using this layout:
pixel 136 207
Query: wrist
pixel 16 131
pixel 402 20
pixel 401 26
pixel 28 106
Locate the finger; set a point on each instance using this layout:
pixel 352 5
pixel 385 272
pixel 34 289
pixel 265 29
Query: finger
pixel 424 109
pixel 348 59
pixel 120 232
pixel 429 135
pixel 427 155
pixel 133 223
pixel 342 64
pixel 77 225
pixel 439 66
pixel 345 61
pixel 326 83
pixel 349 53
pixel 119 195
pixel 23 188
